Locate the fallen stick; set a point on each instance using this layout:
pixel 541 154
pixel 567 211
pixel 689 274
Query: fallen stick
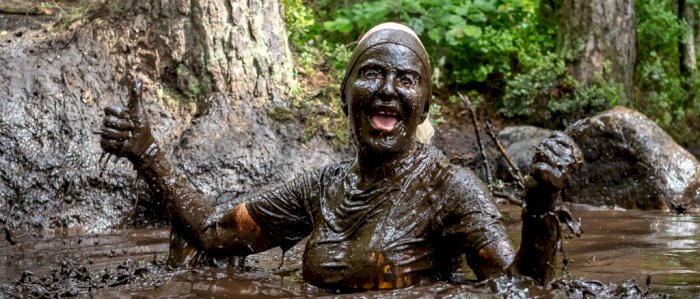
pixel 510 197
pixel 468 103
pixel 513 168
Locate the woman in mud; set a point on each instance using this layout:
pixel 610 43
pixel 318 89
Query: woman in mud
pixel 396 216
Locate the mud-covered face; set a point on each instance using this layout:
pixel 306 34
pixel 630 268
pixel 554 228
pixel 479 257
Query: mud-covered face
pixel 385 98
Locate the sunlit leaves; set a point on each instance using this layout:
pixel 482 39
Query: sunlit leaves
pixel 476 38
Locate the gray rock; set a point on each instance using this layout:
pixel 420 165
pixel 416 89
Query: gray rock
pixel 632 163
pixel 519 142
pixel 513 134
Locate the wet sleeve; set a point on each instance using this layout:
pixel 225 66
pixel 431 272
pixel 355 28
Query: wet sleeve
pixel 283 213
pixel 469 216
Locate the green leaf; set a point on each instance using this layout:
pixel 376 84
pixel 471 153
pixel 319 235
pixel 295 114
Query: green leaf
pixel 414 7
pixel 417 25
pixel 340 24
pixel 472 31
pixel 463 9
pixel 435 34
pixel 477 17
pixel 486 5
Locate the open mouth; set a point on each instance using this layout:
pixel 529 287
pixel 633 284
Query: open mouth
pixel 385 120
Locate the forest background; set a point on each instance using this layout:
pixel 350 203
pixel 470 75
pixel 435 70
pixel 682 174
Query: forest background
pixel 544 63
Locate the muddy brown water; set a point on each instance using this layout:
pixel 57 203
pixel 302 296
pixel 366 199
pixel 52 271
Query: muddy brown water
pixel 617 246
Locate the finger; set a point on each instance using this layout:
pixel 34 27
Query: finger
pixel 543 154
pixel 563 139
pixel 135 105
pixel 111 145
pixel 557 152
pixel 566 147
pixel 115 134
pixel 116 110
pixel 545 173
pixel 112 121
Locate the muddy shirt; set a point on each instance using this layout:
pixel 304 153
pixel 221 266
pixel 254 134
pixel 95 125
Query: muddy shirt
pixel 400 231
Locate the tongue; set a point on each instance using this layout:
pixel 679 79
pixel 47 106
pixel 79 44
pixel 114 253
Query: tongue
pixel 384 122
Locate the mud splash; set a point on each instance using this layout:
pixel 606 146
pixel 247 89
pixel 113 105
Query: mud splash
pixel 634 253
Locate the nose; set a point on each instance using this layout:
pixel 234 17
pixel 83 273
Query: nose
pixel 388 90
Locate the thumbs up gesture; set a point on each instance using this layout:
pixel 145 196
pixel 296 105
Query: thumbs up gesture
pixel 126 131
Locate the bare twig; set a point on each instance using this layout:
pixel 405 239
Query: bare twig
pixel 510 197
pixel 468 103
pixel 513 169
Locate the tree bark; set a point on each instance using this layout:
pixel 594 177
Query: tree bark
pixel 600 31
pixel 686 50
pixel 199 47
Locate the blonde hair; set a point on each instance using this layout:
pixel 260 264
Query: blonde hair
pixel 425 131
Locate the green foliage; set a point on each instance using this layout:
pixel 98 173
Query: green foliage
pixel 320 64
pixel 475 38
pixel 662 92
pixel 545 95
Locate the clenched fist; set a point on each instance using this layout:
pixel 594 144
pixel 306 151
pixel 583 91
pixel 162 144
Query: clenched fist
pixel 556 159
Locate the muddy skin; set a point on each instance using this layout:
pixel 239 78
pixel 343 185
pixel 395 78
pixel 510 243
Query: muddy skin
pixel 399 215
pixel 555 161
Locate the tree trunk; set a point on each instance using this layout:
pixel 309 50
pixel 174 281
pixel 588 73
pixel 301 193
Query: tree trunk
pixel 598 32
pixel 230 67
pixel 686 50
pixel 199 47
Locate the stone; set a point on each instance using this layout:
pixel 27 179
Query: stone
pixel 519 142
pixel 632 163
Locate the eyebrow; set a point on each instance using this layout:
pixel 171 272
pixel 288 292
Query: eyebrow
pixel 375 62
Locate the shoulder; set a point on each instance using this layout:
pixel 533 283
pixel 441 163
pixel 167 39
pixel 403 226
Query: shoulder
pixel 456 179
pixel 464 183
pixel 464 190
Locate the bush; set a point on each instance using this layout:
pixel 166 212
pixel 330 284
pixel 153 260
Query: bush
pixel 545 95
pixel 469 40
pixel 662 94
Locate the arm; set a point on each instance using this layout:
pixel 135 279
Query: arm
pixel 232 233
pixel 555 161
pixel 476 220
pixel 126 133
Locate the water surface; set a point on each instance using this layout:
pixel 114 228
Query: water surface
pixel 617 246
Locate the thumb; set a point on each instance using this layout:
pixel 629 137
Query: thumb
pixel 135 106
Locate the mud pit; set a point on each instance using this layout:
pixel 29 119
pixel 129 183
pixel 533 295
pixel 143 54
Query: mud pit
pixel 623 250
pixel 616 246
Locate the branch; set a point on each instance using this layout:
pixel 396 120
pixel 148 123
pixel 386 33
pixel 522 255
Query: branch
pixel 468 103
pixel 513 169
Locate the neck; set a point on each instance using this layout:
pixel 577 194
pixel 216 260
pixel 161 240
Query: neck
pixel 371 167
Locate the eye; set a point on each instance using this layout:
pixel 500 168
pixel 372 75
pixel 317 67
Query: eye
pixel 407 80
pixel 371 74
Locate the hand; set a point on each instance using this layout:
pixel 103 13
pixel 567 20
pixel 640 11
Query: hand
pixel 556 159
pixel 126 131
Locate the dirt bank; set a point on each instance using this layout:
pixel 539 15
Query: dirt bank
pixel 57 78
